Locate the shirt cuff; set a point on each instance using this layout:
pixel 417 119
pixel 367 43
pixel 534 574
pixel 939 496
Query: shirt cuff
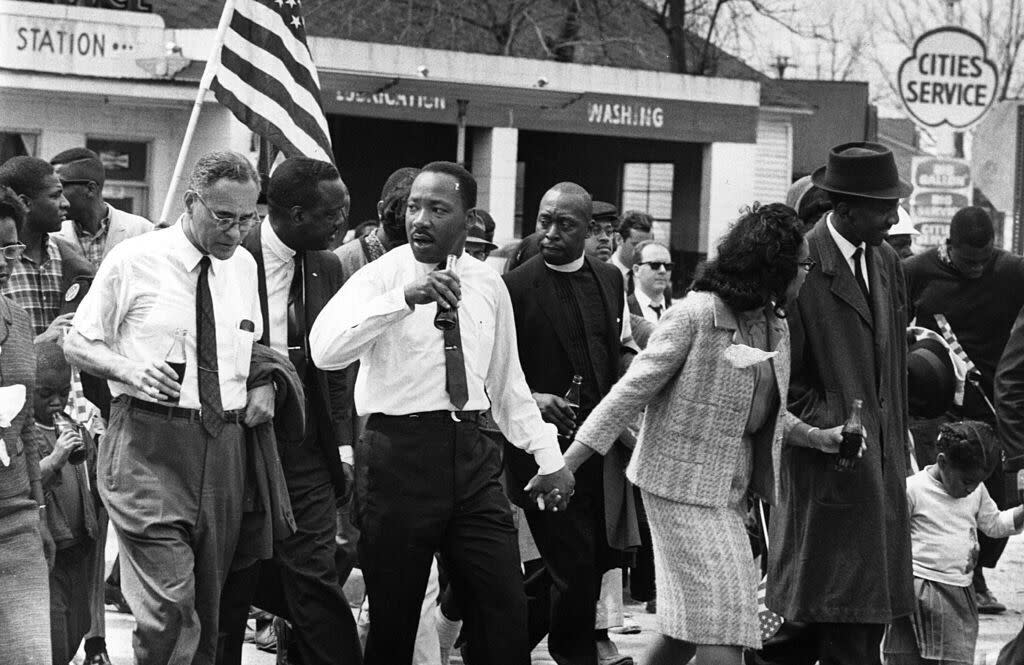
pixel 549 460
pixel 346 454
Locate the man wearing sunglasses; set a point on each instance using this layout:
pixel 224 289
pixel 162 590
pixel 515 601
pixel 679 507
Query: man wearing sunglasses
pixel 93 225
pixel 172 468
pixel 652 274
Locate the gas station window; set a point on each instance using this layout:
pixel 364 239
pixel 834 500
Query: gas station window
pixel 16 144
pixel 126 166
pixel 648 187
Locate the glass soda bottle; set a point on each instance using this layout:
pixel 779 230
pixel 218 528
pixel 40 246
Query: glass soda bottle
pixel 573 397
pixel 853 437
pixel 176 359
pixel 447 319
pixel 62 422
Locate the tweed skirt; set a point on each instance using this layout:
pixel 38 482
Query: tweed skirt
pixel 703 568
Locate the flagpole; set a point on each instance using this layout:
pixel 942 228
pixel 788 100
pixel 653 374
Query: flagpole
pixel 212 63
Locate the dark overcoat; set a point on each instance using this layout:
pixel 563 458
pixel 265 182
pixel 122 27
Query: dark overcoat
pixel 841 540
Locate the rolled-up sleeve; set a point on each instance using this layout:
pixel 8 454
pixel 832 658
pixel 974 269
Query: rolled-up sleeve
pixel 102 310
pixel 512 405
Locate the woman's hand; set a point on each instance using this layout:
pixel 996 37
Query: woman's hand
pixel 828 440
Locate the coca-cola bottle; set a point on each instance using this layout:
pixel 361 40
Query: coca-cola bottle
pixel 447 319
pixel 573 397
pixel 853 438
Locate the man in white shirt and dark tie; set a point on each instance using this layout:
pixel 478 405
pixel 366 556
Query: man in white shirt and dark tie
pixel 652 275
pixel 426 479
pixel 172 469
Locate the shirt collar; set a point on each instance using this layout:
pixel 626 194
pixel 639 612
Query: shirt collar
pixel 623 268
pixel 646 301
pixel 190 254
pixel 572 266
pixel 846 248
pixel 273 242
pixel 100 230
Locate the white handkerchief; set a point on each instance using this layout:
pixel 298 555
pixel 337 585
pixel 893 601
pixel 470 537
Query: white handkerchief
pixel 742 356
pixel 12 398
pixel 5 458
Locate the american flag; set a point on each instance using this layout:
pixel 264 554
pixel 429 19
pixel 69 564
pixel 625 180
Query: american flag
pixel 769 621
pixel 267 78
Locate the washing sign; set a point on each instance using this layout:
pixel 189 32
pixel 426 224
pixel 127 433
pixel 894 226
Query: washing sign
pixel 948 79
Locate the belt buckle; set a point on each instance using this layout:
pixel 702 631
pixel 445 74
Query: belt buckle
pixel 454 417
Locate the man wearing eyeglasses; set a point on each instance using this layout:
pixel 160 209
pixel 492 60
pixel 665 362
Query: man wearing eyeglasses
pixel 308 207
pixel 93 225
pixel 652 273
pixel 172 469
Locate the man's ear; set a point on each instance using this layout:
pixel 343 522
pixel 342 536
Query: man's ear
pixel 189 199
pixel 380 210
pixel 95 190
pixel 26 200
pixel 471 218
pixel 636 270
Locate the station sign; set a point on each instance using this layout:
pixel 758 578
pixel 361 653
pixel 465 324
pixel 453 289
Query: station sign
pixel 948 79
pixel 942 185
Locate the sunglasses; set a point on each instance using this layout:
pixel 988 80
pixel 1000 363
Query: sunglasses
pixel 807 264
pixel 68 183
pixel 658 265
pixel 12 252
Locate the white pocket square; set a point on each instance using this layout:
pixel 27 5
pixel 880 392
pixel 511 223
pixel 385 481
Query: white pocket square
pixel 742 356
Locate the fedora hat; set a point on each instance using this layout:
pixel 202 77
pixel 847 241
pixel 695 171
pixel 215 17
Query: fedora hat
pixel 862 169
pixel 478 236
pixel 931 384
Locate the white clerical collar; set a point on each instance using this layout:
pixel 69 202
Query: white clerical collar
pixel 273 242
pixel 846 248
pixel 572 266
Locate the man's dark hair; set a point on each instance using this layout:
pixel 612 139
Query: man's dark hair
pixel 757 259
pixel 12 207
pixel 296 182
pixel 398 184
pixel 25 175
pixel 971 226
pixel 82 163
pixel 638 251
pixel 635 219
pixel 467 183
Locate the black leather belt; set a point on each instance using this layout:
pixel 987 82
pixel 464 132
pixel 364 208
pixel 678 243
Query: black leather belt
pixel 170 411
pixel 457 416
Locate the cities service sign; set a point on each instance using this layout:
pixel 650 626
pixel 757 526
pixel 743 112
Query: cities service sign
pixel 948 80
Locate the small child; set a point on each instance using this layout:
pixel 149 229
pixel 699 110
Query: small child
pixel 70 506
pixel 948 505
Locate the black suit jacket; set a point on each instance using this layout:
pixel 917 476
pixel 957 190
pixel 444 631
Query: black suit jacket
pixel 541 333
pixel 1009 393
pixel 326 391
pixel 634 304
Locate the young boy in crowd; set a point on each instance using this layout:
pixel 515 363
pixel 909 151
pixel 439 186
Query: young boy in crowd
pixel 948 506
pixel 70 500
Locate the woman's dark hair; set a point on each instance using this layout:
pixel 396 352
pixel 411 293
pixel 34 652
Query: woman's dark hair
pixel 969 445
pixel 757 259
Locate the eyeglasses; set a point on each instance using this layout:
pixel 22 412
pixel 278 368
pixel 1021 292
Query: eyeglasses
pixel 225 224
pixel 658 265
pixel 68 183
pixel 13 252
pixel 807 264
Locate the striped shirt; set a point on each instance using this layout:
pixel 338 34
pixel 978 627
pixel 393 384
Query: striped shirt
pixel 37 288
pixel 94 244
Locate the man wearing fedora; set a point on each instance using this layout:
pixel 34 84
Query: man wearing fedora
pixel 978 290
pixel 840 561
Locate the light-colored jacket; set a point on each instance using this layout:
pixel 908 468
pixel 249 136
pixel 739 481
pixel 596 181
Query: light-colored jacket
pixel 123 225
pixel 697 405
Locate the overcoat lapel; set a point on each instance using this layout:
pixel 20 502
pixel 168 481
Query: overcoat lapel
pixel 254 243
pixel 843 283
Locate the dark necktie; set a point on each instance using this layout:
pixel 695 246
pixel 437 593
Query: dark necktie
pixel 858 273
pixel 297 342
pixel 455 365
pixel 211 410
pixel 657 310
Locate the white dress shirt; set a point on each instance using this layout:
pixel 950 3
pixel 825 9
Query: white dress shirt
pixel 401 353
pixel 279 266
pixel 645 303
pixel 145 290
pixel 847 248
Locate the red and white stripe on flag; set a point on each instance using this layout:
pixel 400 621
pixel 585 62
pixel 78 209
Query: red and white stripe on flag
pixel 267 78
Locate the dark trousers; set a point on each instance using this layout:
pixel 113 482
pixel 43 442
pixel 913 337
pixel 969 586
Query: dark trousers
pixel 71 598
pixel 174 495
pixel 563 594
pixel 825 643
pixel 429 484
pixel 641 574
pixel 300 583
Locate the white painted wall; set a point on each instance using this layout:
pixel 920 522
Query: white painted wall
pixel 728 185
pixel 494 164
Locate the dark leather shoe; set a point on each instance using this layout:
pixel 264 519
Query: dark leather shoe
pixel 100 658
pixel 987 603
pixel 608 654
pixel 112 596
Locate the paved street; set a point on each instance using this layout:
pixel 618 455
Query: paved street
pixel 1007 581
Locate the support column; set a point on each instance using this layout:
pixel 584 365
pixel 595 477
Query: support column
pixel 495 151
pixel 727 185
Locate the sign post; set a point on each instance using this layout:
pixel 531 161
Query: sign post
pixel 942 185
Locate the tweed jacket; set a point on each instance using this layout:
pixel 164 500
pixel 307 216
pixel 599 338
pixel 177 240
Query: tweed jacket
pixel 123 225
pixel 697 407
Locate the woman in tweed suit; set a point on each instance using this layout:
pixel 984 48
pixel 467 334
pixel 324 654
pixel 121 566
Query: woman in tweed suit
pixel 711 379
pixel 24 578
